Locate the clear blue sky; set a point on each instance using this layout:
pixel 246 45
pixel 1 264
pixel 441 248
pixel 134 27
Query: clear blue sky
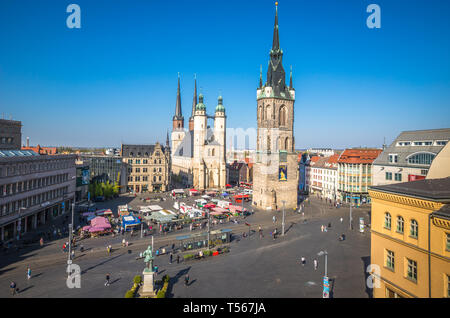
pixel 114 80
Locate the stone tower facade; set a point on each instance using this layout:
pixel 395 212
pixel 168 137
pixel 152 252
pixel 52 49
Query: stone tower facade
pixel 275 171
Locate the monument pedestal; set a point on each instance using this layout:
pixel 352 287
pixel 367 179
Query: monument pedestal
pixel 148 287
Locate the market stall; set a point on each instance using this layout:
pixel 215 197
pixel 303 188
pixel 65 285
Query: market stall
pixel 130 221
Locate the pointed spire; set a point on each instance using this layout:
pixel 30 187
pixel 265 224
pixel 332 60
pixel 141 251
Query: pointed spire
pixel 260 76
pixel 167 140
pixel 290 80
pixel 178 112
pixel 194 102
pixel 276 39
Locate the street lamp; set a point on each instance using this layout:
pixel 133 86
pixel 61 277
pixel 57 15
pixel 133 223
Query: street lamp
pixel 69 260
pixel 326 265
pixel 282 224
pixel 326 284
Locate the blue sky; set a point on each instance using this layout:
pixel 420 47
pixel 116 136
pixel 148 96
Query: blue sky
pixel 114 80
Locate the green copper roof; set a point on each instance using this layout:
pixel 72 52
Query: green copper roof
pixel 220 107
pixel 200 105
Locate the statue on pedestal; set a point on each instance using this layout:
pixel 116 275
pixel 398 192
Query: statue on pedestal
pixel 148 254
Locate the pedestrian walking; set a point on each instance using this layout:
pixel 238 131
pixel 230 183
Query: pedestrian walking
pixel 107 280
pixel 41 241
pixel 170 258
pixel 28 272
pixel 178 259
pixel 274 219
pixel 341 219
pixel 315 264
pixel 321 228
pixel 12 287
pixel 123 243
pixel 303 260
pixel 173 247
pixel 72 254
pixel 260 232
pixel 186 280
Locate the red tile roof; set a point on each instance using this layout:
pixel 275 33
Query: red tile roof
pixel 359 155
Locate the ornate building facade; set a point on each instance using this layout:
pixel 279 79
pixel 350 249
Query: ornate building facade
pixel 198 156
pixel 276 170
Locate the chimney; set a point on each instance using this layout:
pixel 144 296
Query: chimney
pixel 28 142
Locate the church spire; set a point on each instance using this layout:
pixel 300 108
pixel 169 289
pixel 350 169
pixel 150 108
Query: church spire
pixel 178 113
pixel 276 38
pixel 290 80
pixel 178 119
pixel 194 102
pixel 167 140
pixel 276 76
pixel 260 77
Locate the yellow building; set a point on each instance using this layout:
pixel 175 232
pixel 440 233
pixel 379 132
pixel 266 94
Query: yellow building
pixel 410 239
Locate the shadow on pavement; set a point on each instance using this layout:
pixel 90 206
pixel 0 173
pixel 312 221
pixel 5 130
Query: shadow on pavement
pixel 101 263
pixel 174 280
pixel 366 263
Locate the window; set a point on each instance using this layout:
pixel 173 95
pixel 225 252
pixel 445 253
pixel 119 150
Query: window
pixel 412 270
pixel 400 224
pixel 441 142
pixel 390 260
pixel 398 177
pixel 130 161
pixel 423 158
pixel 448 286
pixel 414 229
pixel 138 161
pixel 448 241
pixel 423 172
pixel 393 158
pixel 138 170
pixel 388 175
pixel 387 220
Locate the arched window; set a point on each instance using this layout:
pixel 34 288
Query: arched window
pixel 282 116
pixel 414 230
pixel 213 152
pixel 286 143
pixel 400 224
pixel 260 115
pixel 268 112
pixel 421 158
pixel 387 220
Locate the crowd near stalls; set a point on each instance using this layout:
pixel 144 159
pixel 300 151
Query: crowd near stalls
pixel 191 209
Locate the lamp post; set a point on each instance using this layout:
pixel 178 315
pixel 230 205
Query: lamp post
pixel 326 286
pixel 69 260
pixel 282 224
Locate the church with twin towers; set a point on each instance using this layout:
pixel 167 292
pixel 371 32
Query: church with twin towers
pixel 198 153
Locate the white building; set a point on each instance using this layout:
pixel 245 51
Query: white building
pixel 198 154
pixel 409 157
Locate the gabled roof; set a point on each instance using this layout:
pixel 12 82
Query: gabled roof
pixel 144 150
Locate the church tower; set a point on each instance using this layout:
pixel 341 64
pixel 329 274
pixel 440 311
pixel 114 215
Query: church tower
pixel 220 137
pixel 178 132
pixel 200 128
pixel 275 171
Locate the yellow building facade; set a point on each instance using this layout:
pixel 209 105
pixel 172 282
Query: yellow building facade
pixel 410 239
